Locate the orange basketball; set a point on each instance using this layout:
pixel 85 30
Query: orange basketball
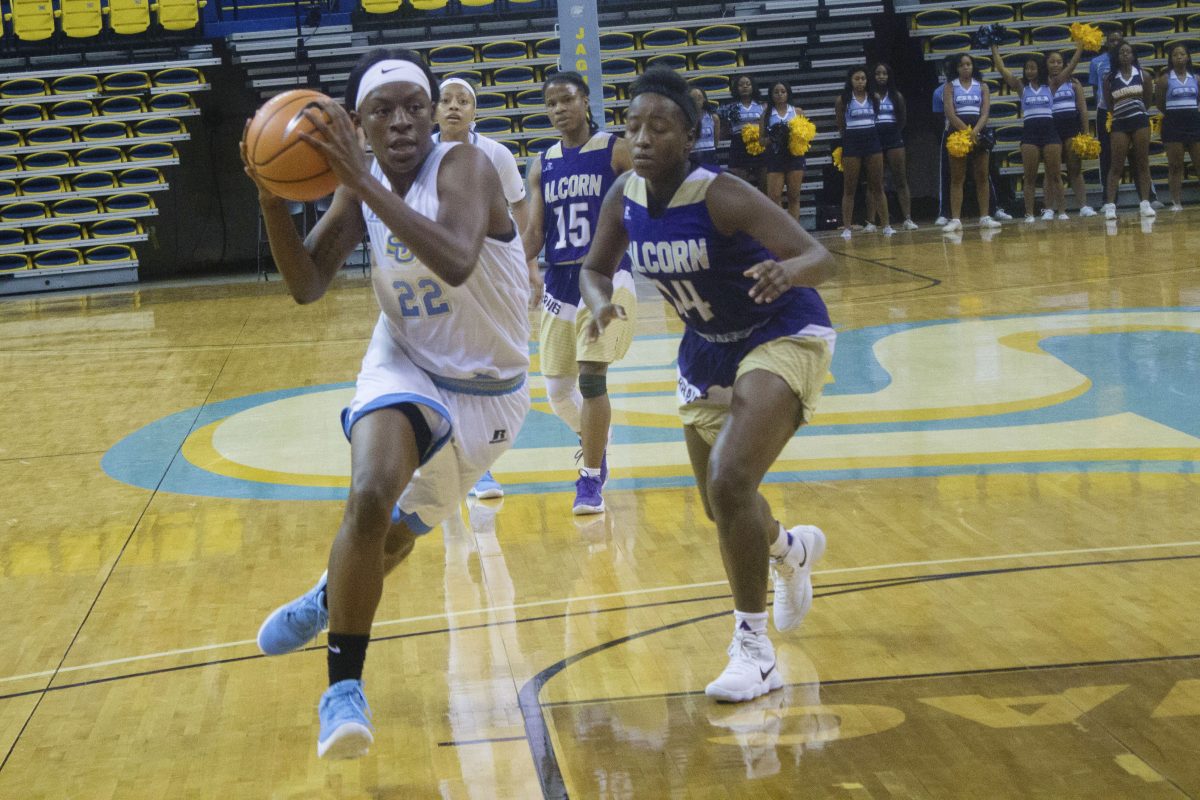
pixel 288 165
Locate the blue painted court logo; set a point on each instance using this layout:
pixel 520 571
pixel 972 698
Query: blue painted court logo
pixel 1082 391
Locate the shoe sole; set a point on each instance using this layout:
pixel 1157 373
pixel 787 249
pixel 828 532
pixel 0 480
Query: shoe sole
pixel 350 740
pixel 581 510
pixel 815 551
pixel 488 494
pixel 773 682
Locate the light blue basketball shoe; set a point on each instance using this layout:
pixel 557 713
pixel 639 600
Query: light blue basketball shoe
pixel 487 487
pixel 295 624
pixel 346 730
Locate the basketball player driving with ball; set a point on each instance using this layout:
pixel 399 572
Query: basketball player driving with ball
pixel 441 393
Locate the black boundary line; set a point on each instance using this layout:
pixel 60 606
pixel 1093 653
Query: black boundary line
pixel 465 742
pixel 537 732
pixel 932 281
pixel 117 560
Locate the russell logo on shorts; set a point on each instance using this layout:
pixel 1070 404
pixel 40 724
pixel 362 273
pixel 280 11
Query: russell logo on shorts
pixel 499 435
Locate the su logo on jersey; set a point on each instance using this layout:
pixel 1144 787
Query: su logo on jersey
pixel 398 250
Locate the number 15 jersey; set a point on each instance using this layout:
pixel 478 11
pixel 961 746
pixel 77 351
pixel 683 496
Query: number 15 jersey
pixel 574 183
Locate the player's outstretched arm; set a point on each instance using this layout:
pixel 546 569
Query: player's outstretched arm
pixel 736 206
pixel 603 258
pixel 308 265
pixel 533 234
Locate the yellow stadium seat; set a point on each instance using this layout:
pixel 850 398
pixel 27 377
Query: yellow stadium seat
pixel 81 19
pixel 170 101
pixel 23 212
pixel 447 55
pixel 128 16
pixel 428 5
pixel 42 184
pixel 547 48
pixel 58 232
pixel 21 112
pixel 54 259
pixel 72 109
pixel 179 15
pixel 717 59
pixel 120 105
pixel 90 181
pixel 722 33
pixel 503 50
pixel 100 156
pixel 13 262
pixel 78 83
pixel 103 131
pixel 669 60
pixel 46 159
pixel 178 76
pixel 126 81
pixel 616 42
pixel 22 87
pixel 113 227
pixel 666 37
pixel 380 6
pixel 32 20
pixel 140 176
pixel 128 202
pixel 475 3
pixel 937 18
pixel 109 253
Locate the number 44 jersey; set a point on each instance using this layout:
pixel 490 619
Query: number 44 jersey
pixel 699 270
pixel 478 331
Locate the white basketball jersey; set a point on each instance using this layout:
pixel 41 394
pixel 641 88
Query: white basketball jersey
pixel 473 337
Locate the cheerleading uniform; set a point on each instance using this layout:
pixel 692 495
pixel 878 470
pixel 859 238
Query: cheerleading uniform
pixel 1181 111
pixel 705 150
pixel 968 102
pixel 779 154
pixel 1129 105
pixel 1066 112
pixel 1037 109
pixel 860 138
pixel 887 125
pixel 739 116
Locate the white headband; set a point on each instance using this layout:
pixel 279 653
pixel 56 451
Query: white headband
pixel 392 71
pixel 459 82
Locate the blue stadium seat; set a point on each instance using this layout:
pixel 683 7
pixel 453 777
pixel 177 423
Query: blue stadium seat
pixel 1153 26
pixel 447 55
pixel 949 43
pixel 21 112
pixel 1192 43
pixel 17 88
pixel 1004 109
pixel 13 262
pixel 52 259
pixel 46 159
pixel 533 147
pixel 529 98
pixel 129 201
pixel 76 207
pixel 613 92
pixel 616 42
pixel 9 164
pixel 170 101
pixel 503 50
pixel 13 237
pixel 1091 7
pixel 710 83
pixel 722 33
pixel 937 18
pixel 619 67
pixel 58 232
pixel 109 254
pixel 546 48
pixel 1192 22
pixel 42 184
pixel 151 151
pixel 24 211
pixel 178 77
pixel 491 126
pixel 121 105
pixel 1009 134
pixel 1151 5
pixel 114 227
pixel 72 109
pixel 666 37
pixel 511 76
pixel 78 83
pixel 159 126
pixel 1044 9
pixel 10 138
pixel 8 191
pixel 128 81
pixel 985 14
pixel 717 59
pixel 471 76
pixel 514 147
pixel 1016 61
pixel 675 61
pixel 90 181
pixel 536 123
pixel 103 131
pixel 489 101
pixel 100 156
pixel 139 177
pixel 1046 35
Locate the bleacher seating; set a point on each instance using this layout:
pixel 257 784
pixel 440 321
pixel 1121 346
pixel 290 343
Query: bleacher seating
pixel 80 163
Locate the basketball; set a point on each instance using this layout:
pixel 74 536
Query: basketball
pixel 289 166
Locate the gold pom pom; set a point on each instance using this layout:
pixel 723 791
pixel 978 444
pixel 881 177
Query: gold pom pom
pixel 1085 146
pixel 837 158
pixel 960 143
pixel 1091 37
pixel 801 133
pixel 1156 121
pixel 750 137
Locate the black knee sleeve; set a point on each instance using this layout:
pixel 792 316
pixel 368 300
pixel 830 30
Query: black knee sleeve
pixel 591 386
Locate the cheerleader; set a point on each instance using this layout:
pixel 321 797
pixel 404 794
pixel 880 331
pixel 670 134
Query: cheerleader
pixel 1128 92
pixel 1070 120
pixel 855 111
pixel 745 109
pixel 1039 137
pixel 1178 97
pixel 704 152
pixel 893 114
pixel 782 166
pixel 967 103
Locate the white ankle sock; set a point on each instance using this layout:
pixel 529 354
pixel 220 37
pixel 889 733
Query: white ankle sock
pixel 590 472
pixel 782 543
pixel 754 623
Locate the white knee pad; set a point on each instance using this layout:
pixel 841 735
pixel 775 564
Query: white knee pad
pixel 565 400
